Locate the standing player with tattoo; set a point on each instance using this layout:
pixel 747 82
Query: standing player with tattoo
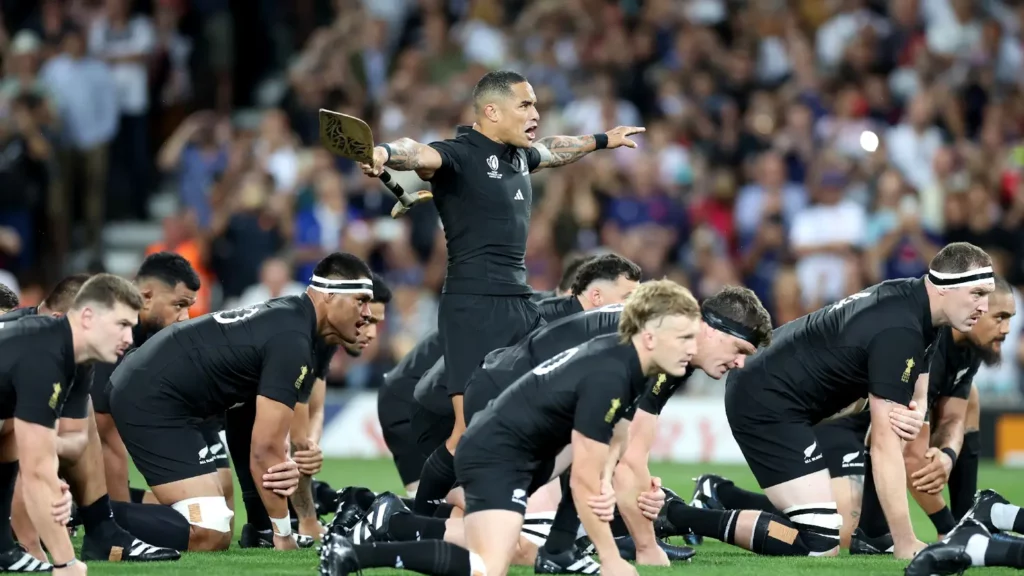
pixel 481 185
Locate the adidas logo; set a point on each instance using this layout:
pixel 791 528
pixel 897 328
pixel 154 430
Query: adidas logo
pixel 519 195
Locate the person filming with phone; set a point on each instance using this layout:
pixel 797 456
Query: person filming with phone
pixel 897 243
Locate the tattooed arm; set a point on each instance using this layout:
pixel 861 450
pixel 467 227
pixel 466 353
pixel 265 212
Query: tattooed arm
pixel 406 155
pixel 561 150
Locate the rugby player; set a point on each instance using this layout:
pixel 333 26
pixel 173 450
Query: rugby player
pixel 8 299
pixel 601 280
pixel 37 382
pixel 869 344
pixel 199 369
pixel 522 441
pixel 953 359
pixel 111 533
pixel 304 440
pixel 396 402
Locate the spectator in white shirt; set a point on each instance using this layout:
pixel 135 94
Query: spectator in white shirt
pixel 87 105
pixel 824 237
pixel 275 281
pixel 913 144
pixel 126 43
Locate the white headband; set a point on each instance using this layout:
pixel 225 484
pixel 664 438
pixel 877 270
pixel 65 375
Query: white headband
pixel 328 286
pixel 974 277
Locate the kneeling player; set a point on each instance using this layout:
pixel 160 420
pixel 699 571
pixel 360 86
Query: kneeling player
pixel 869 344
pixel 37 379
pixel 199 369
pixel 561 413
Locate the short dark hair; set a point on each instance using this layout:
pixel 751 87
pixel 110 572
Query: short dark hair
pixel 108 290
pixel 63 294
pixel 8 299
pixel 342 266
pixel 569 272
pixel 959 257
pixel 495 83
pixel 605 267
pixel 381 291
pixel 743 306
pixel 1002 286
pixel 170 268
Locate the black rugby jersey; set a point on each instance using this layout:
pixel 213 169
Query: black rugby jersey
pixel 552 309
pixel 402 380
pixel 103 370
pixel 587 388
pixel 37 369
pixel 871 342
pixel 323 353
pixel 483 194
pixel 220 360
pixel 951 368
pixel 76 405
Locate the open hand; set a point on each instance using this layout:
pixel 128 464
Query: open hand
pixel 619 136
pixel 282 478
pixel 907 422
pixel 651 501
pixel 62 507
pixel 603 504
pixel 309 458
pixel 933 477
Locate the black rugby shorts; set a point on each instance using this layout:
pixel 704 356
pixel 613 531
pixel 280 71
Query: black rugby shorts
pixel 480 390
pixel 429 430
pixel 211 430
pixel 395 416
pixel 472 325
pixel 166 443
pixel 842 443
pixel 495 474
pixel 777 440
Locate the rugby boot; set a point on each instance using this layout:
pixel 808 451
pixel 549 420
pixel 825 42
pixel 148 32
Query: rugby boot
pixel 117 545
pixel 861 543
pixel 939 559
pixel 967 528
pixel 18 561
pixel 337 556
pixel 348 511
pixel 375 526
pixel 627 549
pixel 663 527
pixel 705 492
pixel 981 510
pixel 690 538
pixel 572 561
pixel 325 498
pixel 253 538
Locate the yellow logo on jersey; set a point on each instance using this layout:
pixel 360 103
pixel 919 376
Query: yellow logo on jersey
pixel 657 385
pixel 55 396
pixel 906 373
pixel 302 376
pixel 610 415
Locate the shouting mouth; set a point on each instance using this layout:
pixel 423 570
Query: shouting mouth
pixel 531 133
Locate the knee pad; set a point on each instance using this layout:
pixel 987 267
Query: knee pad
pixel 210 512
pixel 819 526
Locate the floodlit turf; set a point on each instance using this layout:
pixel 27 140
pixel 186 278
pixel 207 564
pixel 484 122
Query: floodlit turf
pixel 712 559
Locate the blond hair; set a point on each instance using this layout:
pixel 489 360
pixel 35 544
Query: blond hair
pixel 654 300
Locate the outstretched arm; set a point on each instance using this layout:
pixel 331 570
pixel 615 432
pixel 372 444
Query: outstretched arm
pixel 406 155
pixel 561 150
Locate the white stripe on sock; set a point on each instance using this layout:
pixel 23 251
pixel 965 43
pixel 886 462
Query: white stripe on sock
pixel 976 548
pixel 1003 516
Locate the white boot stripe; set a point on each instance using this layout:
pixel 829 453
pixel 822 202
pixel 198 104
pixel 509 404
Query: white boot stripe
pixel 25 559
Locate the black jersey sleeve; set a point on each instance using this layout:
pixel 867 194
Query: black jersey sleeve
pixel 287 369
pixel 659 391
pixel 322 355
pixel 600 403
pixel 77 404
pixel 451 157
pixel 532 158
pixel 895 358
pixel 41 388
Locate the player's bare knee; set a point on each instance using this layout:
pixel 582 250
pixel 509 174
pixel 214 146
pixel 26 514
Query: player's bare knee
pixel 207 540
pixel 210 519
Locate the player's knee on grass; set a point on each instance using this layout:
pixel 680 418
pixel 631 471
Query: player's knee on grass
pixel 210 519
pixel 811 530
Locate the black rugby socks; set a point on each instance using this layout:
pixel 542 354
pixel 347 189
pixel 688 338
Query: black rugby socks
pixel 963 478
pixel 8 474
pixel 943 520
pixel 733 497
pixel 708 523
pixel 436 480
pixel 136 495
pixel 96 515
pixel 433 557
pixel 996 551
pixel 154 524
pixel 410 528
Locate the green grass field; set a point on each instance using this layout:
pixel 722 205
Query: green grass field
pixel 713 558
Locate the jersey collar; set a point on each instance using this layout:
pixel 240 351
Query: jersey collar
pixel 489 146
pixel 926 310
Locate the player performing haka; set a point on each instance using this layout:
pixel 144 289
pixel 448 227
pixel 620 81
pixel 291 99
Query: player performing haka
pixel 481 185
pixel 952 361
pixel 396 402
pixel 869 344
pixel 606 279
pixel 199 369
pixel 522 441
pixel 37 378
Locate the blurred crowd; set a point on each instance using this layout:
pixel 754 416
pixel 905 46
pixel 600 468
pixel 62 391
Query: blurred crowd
pixel 804 148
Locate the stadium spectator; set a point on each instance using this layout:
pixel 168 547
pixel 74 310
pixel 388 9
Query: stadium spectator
pixel 275 281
